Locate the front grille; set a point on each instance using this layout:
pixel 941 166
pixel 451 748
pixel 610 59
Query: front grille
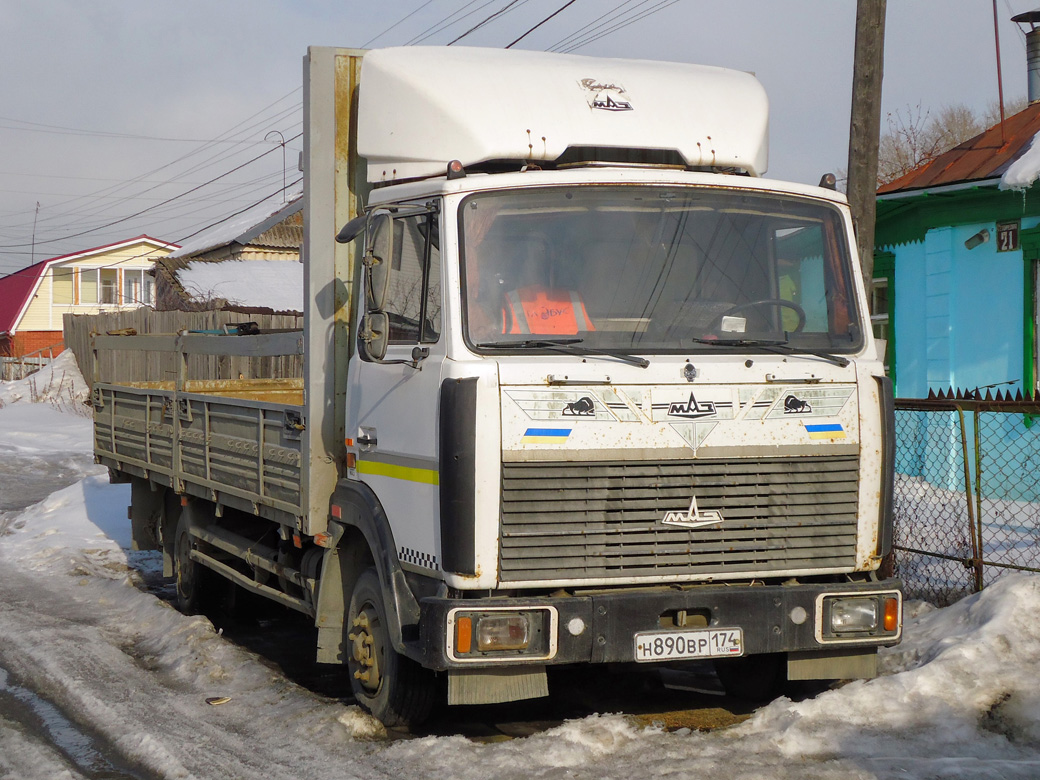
pixel 571 521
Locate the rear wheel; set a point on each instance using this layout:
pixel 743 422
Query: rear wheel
pixel 395 689
pixel 194 581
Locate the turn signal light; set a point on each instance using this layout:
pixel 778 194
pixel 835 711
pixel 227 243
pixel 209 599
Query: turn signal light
pixel 891 614
pixel 463 635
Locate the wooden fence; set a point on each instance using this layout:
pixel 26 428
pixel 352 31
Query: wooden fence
pixel 132 366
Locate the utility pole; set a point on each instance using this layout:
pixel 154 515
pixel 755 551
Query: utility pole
pixel 865 128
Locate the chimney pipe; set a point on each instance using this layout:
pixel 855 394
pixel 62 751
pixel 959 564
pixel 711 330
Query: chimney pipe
pixel 1032 18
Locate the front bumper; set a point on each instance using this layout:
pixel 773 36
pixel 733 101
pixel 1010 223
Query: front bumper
pixel 600 628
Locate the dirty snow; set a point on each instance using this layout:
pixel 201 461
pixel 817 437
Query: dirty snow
pixel 957 699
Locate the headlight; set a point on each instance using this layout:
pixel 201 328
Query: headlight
pixel 498 633
pixel 503 632
pixel 852 617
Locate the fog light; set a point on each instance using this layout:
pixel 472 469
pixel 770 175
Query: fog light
pixel 503 632
pixel 854 614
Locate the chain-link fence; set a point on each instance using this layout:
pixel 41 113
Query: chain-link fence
pixel 967 492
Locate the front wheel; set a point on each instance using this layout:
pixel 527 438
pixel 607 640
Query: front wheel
pixel 395 689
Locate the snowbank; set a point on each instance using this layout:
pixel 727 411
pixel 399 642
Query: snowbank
pixel 60 383
pixel 957 699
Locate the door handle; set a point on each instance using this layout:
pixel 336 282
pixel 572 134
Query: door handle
pixel 367 441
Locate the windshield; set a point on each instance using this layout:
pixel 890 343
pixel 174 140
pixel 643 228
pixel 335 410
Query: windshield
pixel 656 269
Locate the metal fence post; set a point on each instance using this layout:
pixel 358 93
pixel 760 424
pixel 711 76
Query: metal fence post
pixel 976 547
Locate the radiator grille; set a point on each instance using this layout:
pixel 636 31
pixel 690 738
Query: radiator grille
pixel 566 521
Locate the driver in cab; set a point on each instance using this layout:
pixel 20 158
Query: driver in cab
pixel 535 306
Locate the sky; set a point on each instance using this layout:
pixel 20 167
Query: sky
pixel 119 117
pixel 82 641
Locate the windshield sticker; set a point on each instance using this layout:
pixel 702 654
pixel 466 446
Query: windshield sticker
pixel 545 435
pixel 825 431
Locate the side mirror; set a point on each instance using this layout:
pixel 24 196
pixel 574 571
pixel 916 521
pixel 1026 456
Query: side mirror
pixel 374 335
pixel 378 255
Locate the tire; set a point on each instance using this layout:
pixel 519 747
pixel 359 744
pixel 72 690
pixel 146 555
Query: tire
pixel 753 678
pixel 194 581
pixel 393 688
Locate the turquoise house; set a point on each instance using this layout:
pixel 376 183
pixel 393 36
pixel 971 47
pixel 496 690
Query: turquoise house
pixel 956 265
pixel 957 250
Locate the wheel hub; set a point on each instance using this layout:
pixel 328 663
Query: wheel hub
pixel 364 652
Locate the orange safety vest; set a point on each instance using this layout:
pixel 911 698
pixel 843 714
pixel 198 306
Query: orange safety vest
pixel 538 310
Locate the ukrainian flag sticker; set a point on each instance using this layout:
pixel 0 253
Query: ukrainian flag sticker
pixel 545 435
pixel 825 431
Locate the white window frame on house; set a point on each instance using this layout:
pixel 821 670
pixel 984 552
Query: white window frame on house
pixel 138 287
pixel 879 322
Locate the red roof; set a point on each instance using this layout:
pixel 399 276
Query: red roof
pixel 986 156
pixel 16 288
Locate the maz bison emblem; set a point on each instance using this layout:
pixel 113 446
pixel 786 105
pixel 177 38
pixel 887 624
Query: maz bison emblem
pixel 793 405
pixel 583 407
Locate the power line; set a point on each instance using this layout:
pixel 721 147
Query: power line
pixel 620 25
pixel 150 208
pixel 581 30
pixel 404 18
pixel 24 126
pixel 89 197
pixel 493 16
pixel 546 19
pixel 446 22
pixel 179 241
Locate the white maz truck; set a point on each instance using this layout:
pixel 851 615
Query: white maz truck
pixel 579 387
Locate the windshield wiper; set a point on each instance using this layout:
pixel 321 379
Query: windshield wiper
pixel 779 347
pixel 568 346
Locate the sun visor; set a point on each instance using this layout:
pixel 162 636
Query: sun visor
pixel 421 107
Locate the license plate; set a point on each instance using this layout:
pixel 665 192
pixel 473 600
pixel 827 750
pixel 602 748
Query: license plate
pixel 704 643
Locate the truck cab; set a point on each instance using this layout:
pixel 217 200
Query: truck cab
pixel 613 404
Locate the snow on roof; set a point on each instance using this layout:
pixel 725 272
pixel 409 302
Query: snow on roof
pixel 1023 171
pixel 980 159
pixel 243 227
pixel 272 284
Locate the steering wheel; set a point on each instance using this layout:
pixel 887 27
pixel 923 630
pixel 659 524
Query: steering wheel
pixel 779 303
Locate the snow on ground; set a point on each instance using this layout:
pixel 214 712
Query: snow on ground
pixel 957 699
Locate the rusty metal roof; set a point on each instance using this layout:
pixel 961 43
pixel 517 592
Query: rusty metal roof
pixel 986 156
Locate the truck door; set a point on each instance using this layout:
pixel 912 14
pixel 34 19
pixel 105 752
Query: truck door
pixel 392 403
